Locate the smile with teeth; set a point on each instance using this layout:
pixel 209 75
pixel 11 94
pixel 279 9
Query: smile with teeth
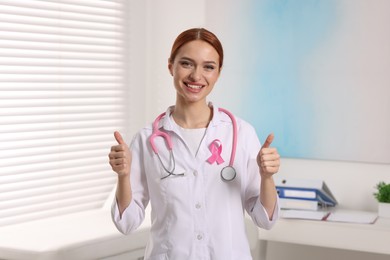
pixel 191 86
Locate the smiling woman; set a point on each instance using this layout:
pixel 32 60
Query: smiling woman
pixel 62 89
pixel 179 163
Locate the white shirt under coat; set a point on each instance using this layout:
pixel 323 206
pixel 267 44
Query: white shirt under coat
pixel 198 215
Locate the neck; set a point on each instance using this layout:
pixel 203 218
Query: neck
pixel 196 115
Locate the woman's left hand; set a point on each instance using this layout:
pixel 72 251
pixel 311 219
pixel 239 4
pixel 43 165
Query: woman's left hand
pixel 268 158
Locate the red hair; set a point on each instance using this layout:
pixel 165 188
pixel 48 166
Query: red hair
pixel 197 34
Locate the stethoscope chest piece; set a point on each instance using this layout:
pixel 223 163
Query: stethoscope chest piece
pixel 228 173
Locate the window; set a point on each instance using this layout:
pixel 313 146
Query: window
pixel 62 94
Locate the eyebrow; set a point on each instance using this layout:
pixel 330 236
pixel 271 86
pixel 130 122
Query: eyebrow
pixel 189 59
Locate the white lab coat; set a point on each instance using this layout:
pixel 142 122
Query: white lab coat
pixel 198 215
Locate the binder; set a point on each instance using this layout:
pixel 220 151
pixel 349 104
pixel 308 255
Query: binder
pixel 299 204
pixel 305 189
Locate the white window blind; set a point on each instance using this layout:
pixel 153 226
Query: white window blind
pixel 62 94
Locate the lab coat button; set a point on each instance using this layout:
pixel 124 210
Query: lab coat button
pixel 198 205
pixel 195 173
pixel 199 237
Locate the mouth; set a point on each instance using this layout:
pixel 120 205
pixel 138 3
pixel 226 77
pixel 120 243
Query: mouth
pixel 194 87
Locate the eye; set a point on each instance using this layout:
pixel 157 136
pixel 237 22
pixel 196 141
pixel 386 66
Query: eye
pixel 209 67
pixel 186 64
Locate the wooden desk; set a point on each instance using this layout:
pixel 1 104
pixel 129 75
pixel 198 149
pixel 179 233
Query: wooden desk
pixel 372 238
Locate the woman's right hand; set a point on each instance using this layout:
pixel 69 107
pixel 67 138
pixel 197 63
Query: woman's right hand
pixel 120 157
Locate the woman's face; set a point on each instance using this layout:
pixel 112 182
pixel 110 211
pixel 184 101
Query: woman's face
pixel 195 70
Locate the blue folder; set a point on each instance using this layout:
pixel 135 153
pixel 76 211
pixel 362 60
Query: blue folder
pixel 305 189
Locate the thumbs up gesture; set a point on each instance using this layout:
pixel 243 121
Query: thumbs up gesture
pixel 120 156
pixel 268 158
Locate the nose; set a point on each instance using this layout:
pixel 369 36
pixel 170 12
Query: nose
pixel 196 74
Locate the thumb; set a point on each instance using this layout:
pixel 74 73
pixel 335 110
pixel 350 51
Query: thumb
pixel 268 141
pixel 118 138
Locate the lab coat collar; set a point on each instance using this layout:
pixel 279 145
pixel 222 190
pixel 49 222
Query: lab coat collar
pixel 166 121
pixel 216 115
pixel 168 124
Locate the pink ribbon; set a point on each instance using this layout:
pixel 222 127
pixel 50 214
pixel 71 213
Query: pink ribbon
pixel 216 150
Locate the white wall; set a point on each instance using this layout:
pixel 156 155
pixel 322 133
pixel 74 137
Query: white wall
pixel 137 64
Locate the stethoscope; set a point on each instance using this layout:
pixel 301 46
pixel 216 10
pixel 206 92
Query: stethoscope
pixel 228 173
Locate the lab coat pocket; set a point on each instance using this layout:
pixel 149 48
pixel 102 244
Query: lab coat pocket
pixel 176 188
pixel 178 207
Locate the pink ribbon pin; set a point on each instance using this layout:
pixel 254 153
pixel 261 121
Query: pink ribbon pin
pixel 216 150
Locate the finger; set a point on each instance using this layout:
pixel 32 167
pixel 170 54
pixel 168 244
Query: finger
pixel 118 138
pixel 274 163
pixel 270 157
pixel 268 141
pixel 112 155
pixel 268 151
pixel 119 161
pixel 118 148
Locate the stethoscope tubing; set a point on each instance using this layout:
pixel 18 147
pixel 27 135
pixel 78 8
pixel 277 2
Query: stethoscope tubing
pixel 234 139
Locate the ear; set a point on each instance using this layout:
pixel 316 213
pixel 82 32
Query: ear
pixel 170 67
